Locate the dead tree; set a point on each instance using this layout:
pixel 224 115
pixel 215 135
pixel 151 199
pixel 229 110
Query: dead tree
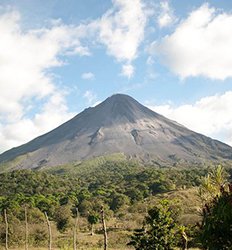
pixel 7 229
pixel 26 229
pixel 75 231
pixel 104 228
pixel 49 231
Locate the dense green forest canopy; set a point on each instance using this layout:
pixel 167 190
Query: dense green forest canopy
pixel 112 183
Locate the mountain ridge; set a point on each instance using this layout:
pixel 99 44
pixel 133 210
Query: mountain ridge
pixel 119 124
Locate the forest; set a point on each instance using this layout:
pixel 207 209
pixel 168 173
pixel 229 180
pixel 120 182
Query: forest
pixel 141 204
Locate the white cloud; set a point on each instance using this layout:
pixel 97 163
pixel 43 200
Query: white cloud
pixel 166 16
pixel 25 57
pixel 200 46
pixel 121 29
pixel 91 97
pixel 211 116
pixel 88 76
pixel 127 70
pixel 22 130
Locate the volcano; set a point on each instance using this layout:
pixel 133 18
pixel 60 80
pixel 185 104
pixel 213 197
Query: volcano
pixel 119 124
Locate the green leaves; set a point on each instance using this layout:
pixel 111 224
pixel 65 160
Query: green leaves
pixel 212 183
pixel 93 218
pixel 159 230
pixel 216 229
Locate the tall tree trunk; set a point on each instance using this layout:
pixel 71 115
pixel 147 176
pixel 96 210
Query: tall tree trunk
pixel 75 231
pixel 49 231
pixel 104 228
pixel 26 229
pixel 7 229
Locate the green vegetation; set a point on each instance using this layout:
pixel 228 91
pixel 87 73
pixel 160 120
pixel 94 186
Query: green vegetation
pixel 159 230
pixel 127 190
pixel 217 222
pixel 216 228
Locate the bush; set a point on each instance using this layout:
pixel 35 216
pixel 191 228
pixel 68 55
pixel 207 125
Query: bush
pixel 63 218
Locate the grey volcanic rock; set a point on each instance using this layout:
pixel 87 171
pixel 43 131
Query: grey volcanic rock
pixel 118 125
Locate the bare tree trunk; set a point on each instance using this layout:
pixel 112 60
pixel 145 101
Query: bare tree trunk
pixel 26 229
pixel 7 229
pixel 92 229
pixel 104 228
pixel 49 231
pixel 184 241
pixel 185 244
pixel 75 231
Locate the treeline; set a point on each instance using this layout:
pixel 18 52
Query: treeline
pixel 112 184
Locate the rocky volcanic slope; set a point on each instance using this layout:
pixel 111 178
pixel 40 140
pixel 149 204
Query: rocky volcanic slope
pixel 118 125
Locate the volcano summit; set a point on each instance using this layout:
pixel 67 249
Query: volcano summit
pixel 119 124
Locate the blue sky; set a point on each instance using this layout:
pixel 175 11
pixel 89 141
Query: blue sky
pixel 58 57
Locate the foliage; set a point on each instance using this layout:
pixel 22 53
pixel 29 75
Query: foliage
pixel 63 218
pixel 159 230
pixel 115 184
pixel 216 228
pixel 118 201
pixel 93 219
pixel 212 183
pixel 124 188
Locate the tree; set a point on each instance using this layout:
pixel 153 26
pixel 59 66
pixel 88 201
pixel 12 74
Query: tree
pixel 118 201
pixel 157 187
pixel 93 219
pixel 211 184
pixel 63 218
pixel 216 228
pixel 159 230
